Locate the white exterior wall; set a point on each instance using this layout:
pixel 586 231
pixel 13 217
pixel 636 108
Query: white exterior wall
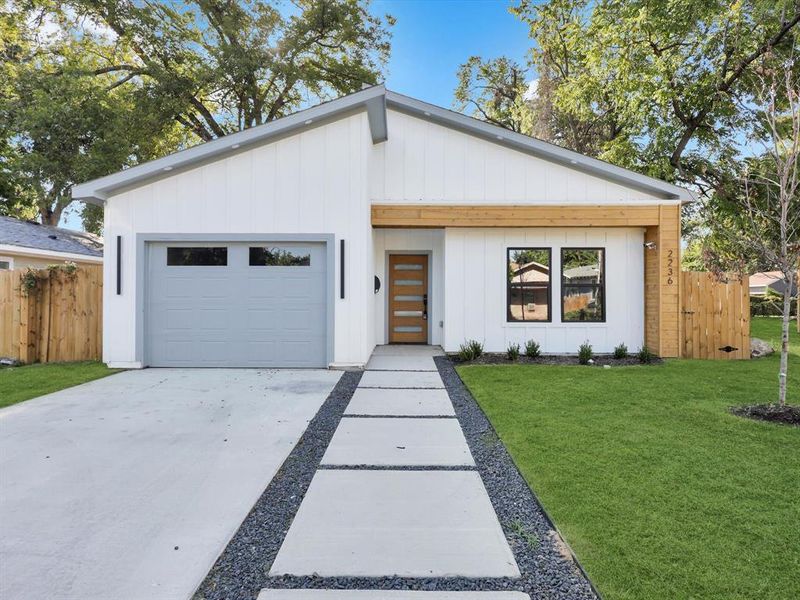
pixel 313 182
pixel 411 241
pixel 323 180
pixel 475 289
pixel 428 163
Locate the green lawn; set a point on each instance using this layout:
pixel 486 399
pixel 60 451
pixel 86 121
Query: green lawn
pixel 23 383
pixel 658 489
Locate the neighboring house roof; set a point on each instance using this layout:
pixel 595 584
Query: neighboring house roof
pixel 583 272
pixel 759 282
pixel 45 239
pixel 531 272
pixel 375 100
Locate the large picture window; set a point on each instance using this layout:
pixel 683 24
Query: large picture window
pixel 528 289
pixel 583 281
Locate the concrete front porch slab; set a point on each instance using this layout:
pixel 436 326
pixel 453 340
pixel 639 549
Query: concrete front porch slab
pixel 401 379
pixel 407 350
pixel 406 523
pixel 386 595
pixel 389 442
pixel 393 402
pixel 401 363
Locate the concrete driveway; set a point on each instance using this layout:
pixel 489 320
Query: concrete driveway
pixel 129 487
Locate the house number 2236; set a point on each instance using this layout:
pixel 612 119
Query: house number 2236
pixel 670 266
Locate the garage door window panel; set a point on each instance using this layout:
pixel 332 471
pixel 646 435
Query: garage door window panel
pixel 216 256
pixel 261 256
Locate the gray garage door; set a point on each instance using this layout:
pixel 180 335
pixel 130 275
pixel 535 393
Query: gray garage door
pixel 236 305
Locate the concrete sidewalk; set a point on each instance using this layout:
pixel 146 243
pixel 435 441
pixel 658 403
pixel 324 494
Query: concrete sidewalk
pixel 398 494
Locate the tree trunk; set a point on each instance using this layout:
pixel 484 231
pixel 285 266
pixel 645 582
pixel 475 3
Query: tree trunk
pixel 785 319
pixel 50 216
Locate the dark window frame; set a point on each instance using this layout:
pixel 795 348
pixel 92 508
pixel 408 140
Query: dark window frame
pixel 601 286
pixel 269 250
pixel 509 250
pixel 184 248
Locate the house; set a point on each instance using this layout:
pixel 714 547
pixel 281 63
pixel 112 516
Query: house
pixel 772 280
pixel 26 244
pixel 377 218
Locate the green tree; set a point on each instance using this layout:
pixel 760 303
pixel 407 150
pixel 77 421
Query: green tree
pixel 653 86
pixel 227 65
pixel 759 228
pixel 90 86
pixel 495 91
pixel 62 126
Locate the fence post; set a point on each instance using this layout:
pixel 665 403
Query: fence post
pixel 28 326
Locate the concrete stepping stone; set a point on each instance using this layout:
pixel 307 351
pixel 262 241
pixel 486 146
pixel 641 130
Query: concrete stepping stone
pixel 395 442
pixel 401 363
pixel 386 595
pixel 394 402
pixel 401 379
pixel 362 523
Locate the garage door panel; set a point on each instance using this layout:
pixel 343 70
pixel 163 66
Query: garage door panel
pixel 263 319
pixel 179 318
pixel 220 318
pixel 237 314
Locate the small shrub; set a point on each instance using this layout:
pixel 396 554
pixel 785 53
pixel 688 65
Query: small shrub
pixel 585 353
pixel 470 350
pixel 513 351
pixel 621 351
pixel 644 355
pixel 532 349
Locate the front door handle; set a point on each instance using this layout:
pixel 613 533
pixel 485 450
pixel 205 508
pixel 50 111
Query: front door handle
pixel 425 307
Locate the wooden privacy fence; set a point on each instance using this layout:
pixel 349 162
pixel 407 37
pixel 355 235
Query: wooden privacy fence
pixel 58 319
pixel 716 316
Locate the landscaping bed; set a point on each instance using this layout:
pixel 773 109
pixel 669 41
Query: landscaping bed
pixel 599 360
pixel 786 415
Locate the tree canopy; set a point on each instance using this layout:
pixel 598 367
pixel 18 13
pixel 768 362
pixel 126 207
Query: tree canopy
pixel 88 87
pixel 652 86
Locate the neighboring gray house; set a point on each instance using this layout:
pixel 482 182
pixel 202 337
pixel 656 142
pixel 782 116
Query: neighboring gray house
pixel 27 244
pixel 773 280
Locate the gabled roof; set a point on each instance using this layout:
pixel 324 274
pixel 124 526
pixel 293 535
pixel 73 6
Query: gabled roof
pixel 14 232
pixel 375 100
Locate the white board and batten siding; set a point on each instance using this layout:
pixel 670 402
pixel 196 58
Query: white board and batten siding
pixel 312 182
pixel 476 278
pixel 423 162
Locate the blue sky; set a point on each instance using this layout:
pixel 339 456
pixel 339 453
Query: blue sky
pixel 431 39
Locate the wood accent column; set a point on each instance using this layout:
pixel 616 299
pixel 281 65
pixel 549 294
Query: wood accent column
pixel 662 309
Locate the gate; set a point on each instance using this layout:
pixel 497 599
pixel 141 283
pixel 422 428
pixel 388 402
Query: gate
pixel 715 316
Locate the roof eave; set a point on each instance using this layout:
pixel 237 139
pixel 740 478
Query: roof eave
pixel 371 99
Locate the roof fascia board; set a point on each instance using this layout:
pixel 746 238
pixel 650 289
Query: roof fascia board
pixel 536 147
pixel 98 190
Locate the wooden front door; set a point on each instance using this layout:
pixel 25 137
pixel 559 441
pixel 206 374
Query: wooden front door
pixel 408 299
